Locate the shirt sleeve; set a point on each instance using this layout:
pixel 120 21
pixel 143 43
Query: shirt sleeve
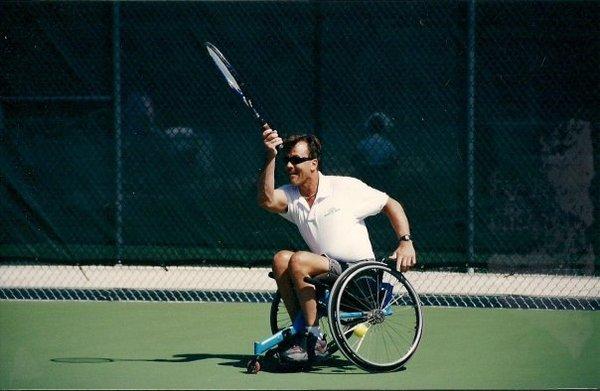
pixel 291 193
pixel 367 201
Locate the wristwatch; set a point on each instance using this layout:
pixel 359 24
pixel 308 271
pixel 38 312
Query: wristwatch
pixel 405 238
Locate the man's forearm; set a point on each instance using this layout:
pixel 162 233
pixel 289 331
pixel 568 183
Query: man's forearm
pixel 266 183
pixel 405 254
pixel 397 217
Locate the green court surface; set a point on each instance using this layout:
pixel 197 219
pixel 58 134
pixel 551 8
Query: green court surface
pixel 125 345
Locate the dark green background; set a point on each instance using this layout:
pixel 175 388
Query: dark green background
pixel 320 67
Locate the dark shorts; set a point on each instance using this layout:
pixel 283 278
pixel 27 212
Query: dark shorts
pixel 336 268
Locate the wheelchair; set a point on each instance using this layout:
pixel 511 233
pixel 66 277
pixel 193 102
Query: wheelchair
pixel 371 310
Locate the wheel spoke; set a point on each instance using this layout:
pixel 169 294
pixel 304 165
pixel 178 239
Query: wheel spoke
pixel 395 326
pixel 356 299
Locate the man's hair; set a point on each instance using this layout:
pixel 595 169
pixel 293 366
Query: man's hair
pixel 314 144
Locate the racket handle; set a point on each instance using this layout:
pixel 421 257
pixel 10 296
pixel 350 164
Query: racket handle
pixel 262 123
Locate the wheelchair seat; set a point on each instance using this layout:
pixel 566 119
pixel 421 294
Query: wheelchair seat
pixel 324 280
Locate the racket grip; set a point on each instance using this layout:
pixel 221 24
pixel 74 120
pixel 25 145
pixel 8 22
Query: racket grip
pixel 262 125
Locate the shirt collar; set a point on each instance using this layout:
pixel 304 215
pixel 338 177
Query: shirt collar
pixel 324 189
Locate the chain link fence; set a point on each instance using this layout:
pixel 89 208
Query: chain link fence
pixel 120 143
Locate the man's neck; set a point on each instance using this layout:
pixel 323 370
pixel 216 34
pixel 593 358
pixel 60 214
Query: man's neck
pixel 309 188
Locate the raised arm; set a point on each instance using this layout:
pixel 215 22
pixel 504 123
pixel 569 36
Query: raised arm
pixel 268 197
pixel 405 252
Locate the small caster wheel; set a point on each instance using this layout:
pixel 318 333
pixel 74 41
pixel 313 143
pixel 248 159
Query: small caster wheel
pixel 253 366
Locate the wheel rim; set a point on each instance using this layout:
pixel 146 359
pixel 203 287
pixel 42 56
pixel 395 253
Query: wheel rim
pixel 392 317
pixel 279 316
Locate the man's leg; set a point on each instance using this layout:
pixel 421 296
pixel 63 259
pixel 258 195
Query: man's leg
pixel 283 279
pixel 303 264
pixel 290 269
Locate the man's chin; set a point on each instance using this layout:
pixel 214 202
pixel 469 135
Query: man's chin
pixel 293 179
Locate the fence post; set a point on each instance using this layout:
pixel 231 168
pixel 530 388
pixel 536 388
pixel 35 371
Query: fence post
pixel 316 59
pixel 116 49
pixel 471 133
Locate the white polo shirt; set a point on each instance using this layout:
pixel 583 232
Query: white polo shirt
pixel 335 224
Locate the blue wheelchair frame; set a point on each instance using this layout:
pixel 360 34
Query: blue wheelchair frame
pixel 299 323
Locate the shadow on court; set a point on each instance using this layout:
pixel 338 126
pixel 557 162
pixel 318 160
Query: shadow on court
pixel 234 360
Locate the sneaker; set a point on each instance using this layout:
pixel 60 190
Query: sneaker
pixel 317 347
pixel 297 353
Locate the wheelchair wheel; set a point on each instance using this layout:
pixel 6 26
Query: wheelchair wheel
pixel 279 318
pixel 375 316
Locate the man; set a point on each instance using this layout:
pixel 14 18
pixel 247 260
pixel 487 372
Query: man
pixel 329 211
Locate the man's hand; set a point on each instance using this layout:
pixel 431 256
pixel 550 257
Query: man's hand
pixel 405 256
pixel 270 140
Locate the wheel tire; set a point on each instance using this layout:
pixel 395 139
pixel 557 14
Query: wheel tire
pixel 253 366
pixel 340 332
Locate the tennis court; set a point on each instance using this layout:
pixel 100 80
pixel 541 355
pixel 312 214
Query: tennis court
pixel 83 345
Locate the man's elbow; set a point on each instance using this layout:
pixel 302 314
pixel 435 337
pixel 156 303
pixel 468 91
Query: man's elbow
pixel 262 201
pixel 273 207
pixel 266 204
pixel 392 205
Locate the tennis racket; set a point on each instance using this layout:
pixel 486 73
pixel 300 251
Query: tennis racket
pixel 233 79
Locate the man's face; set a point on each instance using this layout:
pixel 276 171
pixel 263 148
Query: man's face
pixel 299 168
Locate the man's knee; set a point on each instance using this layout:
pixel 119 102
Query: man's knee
pixel 299 264
pixel 281 261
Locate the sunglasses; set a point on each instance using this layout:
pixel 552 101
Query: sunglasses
pixel 296 159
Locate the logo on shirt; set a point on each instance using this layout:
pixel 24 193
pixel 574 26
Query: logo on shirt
pixel 331 211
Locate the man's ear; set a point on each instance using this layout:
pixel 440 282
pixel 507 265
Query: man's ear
pixel 314 165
